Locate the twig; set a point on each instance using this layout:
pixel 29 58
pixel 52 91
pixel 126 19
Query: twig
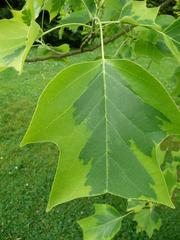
pixel 79 51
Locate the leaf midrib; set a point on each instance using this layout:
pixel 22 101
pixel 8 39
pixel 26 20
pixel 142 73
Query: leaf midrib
pixel 106 121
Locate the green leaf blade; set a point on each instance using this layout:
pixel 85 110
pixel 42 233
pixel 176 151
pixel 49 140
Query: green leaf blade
pixel 107 139
pixel 173 30
pixel 53 7
pixel 137 13
pixel 16 39
pixel 147 220
pixel 104 224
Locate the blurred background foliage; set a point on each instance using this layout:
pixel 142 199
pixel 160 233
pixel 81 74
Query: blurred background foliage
pixel 75 38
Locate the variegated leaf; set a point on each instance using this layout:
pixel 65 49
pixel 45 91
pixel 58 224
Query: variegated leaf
pixel 103 225
pixel 107 118
pixel 16 39
pixel 137 13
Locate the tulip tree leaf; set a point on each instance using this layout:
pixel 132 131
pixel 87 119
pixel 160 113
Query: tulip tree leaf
pixel 137 13
pixel 16 39
pixel 103 225
pixel 147 220
pixel 107 118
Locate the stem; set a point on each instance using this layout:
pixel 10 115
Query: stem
pixel 64 25
pixel 9 5
pixel 110 22
pixel 42 24
pixel 121 45
pixel 102 38
pixel 101 3
pixel 105 98
pixel 99 6
pixel 89 37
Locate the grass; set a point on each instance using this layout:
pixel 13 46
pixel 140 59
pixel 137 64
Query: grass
pixel 26 174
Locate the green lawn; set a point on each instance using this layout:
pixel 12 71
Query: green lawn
pixel 26 174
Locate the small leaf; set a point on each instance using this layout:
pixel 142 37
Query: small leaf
pixel 137 13
pixel 172 38
pixel 112 9
pixel 80 16
pixel 103 225
pixel 16 39
pixel 53 7
pixel 29 12
pixel 173 47
pixel 107 118
pixel 135 205
pixel 147 220
pixel 62 48
pixel 51 50
pixel 35 7
pixel 170 175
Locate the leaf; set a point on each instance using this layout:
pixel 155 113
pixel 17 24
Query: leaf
pixel 149 49
pixel 164 70
pixel 45 50
pixel 103 225
pixel 137 13
pixel 53 7
pixel 16 39
pixel 112 9
pixel 35 7
pixel 74 20
pixel 172 38
pixel 75 4
pixel 62 48
pixel 170 175
pixel 164 20
pixel 29 12
pixel 173 30
pixel 172 47
pixel 135 205
pixel 81 16
pixel 169 153
pixel 90 6
pixel 107 118
pixel 176 83
pixel 147 220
